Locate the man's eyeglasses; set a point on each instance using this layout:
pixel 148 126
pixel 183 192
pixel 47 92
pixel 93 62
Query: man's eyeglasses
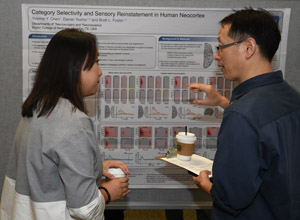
pixel 220 47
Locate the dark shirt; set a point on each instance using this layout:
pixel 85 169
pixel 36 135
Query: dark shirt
pixel 257 164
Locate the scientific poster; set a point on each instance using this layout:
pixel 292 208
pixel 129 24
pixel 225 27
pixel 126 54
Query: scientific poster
pixel 148 57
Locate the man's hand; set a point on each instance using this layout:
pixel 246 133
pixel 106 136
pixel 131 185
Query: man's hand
pixel 203 181
pixel 213 98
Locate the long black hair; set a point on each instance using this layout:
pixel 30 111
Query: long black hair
pixel 58 75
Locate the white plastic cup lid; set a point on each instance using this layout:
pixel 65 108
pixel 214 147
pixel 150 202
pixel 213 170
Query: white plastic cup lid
pixel 189 138
pixel 117 172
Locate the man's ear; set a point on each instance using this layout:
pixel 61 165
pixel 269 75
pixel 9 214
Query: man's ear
pixel 251 47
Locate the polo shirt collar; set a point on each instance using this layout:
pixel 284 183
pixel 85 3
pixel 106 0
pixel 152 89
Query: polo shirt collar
pixel 257 81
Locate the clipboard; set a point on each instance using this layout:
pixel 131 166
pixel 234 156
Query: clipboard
pixel 194 166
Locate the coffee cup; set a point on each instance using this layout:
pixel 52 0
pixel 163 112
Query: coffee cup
pixel 117 172
pixel 185 145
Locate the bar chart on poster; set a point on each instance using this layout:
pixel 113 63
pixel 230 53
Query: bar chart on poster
pixel 148 56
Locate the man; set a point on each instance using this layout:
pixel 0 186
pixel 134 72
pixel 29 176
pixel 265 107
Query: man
pixel 256 167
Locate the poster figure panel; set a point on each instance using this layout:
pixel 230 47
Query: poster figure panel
pixel 143 99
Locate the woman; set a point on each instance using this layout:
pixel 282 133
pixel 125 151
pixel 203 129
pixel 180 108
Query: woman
pixel 55 166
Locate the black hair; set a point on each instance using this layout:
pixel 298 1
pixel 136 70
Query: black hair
pixel 58 75
pixel 258 24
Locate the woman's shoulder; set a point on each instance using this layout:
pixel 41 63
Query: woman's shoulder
pixel 66 118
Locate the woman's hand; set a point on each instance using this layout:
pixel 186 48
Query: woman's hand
pixel 114 164
pixel 117 188
pixel 213 98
